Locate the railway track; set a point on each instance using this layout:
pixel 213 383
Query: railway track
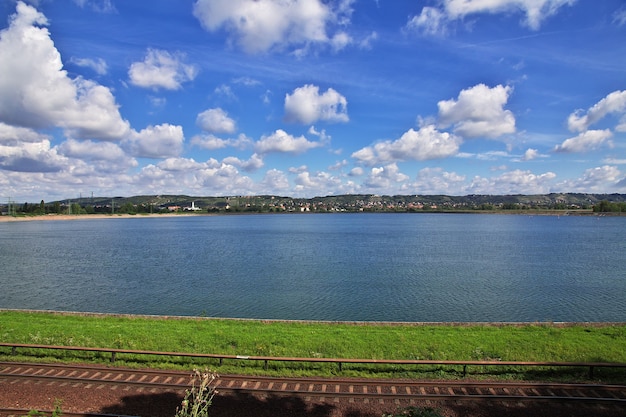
pixel 312 389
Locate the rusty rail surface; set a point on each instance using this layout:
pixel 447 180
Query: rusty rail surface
pixel 339 361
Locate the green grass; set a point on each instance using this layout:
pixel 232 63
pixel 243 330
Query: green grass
pixel 528 342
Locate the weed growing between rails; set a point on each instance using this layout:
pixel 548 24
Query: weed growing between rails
pixel 199 397
pixel 416 412
pixel 57 412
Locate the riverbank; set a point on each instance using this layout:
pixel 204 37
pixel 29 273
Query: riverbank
pixel 557 213
pixel 57 217
pixel 560 342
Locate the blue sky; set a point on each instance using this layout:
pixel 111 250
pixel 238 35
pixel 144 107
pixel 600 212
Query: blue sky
pixel 309 98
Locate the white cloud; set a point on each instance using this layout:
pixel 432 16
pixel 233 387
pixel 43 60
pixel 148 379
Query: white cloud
pixel 174 164
pixel 512 182
pixel 185 175
pixel 433 21
pixel 253 164
pixel 159 141
pixel 478 112
pixel 281 141
pixel 225 91
pixel 98 64
pixel 263 25
pixel 340 41
pixel 92 150
pixel 319 183
pixel 36 92
pixel 436 181
pixel 161 69
pixel 216 121
pixel 306 105
pixel 426 143
pixel 604 179
pixel 530 154
pixel 621 127
pixel 14 135
pixel 619 17
pixel 275 180
pixel 613 103
pixel 385 177
pixel 247 81
pixel 213 142
pixel 31 157
pixel 356 172
pixel 586 141
pixel 100 6
pixel 366 43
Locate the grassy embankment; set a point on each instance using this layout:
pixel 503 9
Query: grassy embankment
pixel 528 342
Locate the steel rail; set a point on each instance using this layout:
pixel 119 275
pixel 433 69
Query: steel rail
pixel 344 388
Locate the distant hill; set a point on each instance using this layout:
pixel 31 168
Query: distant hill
pixel 348 202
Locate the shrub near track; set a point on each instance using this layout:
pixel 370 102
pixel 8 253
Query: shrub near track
pixel 510 342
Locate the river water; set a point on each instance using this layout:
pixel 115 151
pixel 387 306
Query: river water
pixel 347 267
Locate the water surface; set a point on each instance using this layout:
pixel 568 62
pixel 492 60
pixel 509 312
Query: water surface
pixel 370 267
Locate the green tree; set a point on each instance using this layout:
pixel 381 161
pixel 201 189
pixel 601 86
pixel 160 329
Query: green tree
pixel 128 208
pixel 606 207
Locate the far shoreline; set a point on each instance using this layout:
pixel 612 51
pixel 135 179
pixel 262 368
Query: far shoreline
pixel 57 217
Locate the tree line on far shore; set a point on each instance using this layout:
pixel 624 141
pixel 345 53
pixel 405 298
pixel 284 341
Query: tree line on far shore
pixel 614 203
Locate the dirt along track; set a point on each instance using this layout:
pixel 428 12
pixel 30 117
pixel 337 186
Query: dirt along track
pixel 121 391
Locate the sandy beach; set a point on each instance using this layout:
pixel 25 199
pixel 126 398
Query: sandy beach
pixel 54 217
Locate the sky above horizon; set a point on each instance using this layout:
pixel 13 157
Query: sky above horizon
pixel 307 98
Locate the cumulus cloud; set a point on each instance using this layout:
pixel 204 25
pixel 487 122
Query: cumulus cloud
pixel 586 141
pixel 161 69
pixel 320 182
pixel 275 180
pixel 604 179
pixel 433 21
pixel 176 175
pixel 530 154
pixel 478 112
pixel 306 105
pixel 614 103
pixel 213 142
pixel 385 177
pixel 513 182
pixel 437 181
pixel 92 150
pixel 14 135
pixel 36 92
pixel 253 164
pixel 423 144
pixel 340 41
pixel 31 157
pixel 159 141
pixel 216 121
pixel 263 25
pixel 281 141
